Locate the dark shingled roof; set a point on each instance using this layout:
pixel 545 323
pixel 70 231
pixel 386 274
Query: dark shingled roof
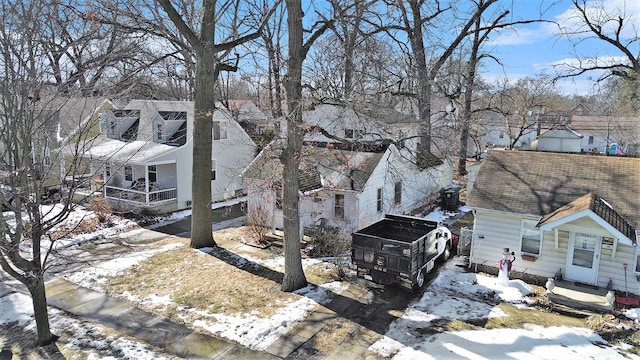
pixel 340 169
pixel 598 206
pixel 541 183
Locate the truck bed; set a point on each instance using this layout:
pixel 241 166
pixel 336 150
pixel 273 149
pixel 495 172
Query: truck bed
pixel 395 249
pixel 399 228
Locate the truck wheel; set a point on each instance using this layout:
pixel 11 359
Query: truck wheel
pixel 419 281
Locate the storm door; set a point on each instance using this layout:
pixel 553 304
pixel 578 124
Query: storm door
pixel 583 258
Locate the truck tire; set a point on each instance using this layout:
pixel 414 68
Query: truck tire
pixel 419 281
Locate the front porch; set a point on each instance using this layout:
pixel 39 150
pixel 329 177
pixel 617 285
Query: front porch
pixel 152 201
pixel 579 299
pixel 156 200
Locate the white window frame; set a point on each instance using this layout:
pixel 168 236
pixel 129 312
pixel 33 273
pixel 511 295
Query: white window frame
pixel 214 169
pixel 379 199
pixel 397 192
pixel 152 173
pixel 222 128
pixel 128 172
pixel 530 225
pixel 338 209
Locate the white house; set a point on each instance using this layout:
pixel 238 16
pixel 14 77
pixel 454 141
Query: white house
pixel 142 159
pixel 560 138
pixel 570 214
pixel 369 127
pixel 601 129
pixel 342 188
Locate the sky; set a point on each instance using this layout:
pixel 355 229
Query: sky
pixel 537 48
pixel 454 295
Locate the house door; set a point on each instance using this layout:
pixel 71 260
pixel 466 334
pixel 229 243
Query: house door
pixel 583 258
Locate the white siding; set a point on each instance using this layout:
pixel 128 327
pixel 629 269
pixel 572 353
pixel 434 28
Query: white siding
pixel 183 165
pixel 491 233
pixel 494 231
pixel 559 144
pixel 321 205
pixel 417 187
pixel 232 156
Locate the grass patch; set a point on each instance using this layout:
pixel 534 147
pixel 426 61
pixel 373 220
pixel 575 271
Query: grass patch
pixel 516 319
pixel 199 281
pixel 336 331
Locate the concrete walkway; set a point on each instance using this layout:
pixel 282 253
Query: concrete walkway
pixel 158 331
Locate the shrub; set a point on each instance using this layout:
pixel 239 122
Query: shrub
pixel 258 224
pixel 100 206
pixel 330 241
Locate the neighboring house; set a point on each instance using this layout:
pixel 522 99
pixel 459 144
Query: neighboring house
pixel 365 129
pixel 600 130
pixel 444 124
pixel 142 160
pixel 578 215
pixel 342 188
pixel 559 138
pixel 255 122
pixel 59 119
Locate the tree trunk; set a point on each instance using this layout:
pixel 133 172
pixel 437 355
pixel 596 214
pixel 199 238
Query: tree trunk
pixel 294 277
pixel 207 71
pixel 41 311
pixel 468 97
pixel 424 86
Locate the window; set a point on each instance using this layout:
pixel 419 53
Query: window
pixel 397 193
pixel 531 238
pixel 128 172
pixel 159 136
pixel 214 165
pixel 338 209
pixel 501 134
pixel 107 171
pixel 379 200
pixel 153 173
pixel 348 133
pixel 352 133
pixel 219 130
pixel 591 140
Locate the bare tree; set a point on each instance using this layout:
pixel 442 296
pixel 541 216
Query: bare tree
pixel 294 277
pixel 31 154
pixel 272 36
pixel 414 23
pixel 523 104
pixel 613 27
pixel 209 55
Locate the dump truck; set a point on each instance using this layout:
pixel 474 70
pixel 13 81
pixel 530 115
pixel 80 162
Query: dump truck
pixel 399 249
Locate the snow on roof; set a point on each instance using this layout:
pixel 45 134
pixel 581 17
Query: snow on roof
pixel 135 152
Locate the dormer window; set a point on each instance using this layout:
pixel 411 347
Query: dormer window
pixel 170 127
pixel 352 133
pixel 123 124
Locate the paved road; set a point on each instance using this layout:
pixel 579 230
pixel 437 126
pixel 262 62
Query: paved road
pixel 223 217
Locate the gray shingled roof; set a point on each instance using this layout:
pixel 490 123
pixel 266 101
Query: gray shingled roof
pixel 539 183
pixel 599 207
pixel 338 169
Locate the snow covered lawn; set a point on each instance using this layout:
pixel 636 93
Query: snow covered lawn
pixel 420 333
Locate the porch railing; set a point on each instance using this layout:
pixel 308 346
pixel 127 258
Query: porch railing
pixel 140 197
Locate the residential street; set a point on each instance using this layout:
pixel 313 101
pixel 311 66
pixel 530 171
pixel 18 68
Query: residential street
pixel 223 217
